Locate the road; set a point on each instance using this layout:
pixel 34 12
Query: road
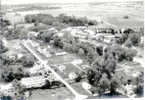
pixel 27 45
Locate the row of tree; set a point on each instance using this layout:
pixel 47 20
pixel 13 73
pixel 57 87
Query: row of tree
pixel 12 69
pixel 131 37
pixel 61 19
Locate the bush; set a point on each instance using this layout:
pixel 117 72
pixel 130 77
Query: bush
pixel 56 84
pixel 9 74
pixel 126 17
pixel 46 36
pixel 134 38
pixel 121 53
pixel 27 61
pixel 2 48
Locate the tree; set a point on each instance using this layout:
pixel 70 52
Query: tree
pixel 139 90
pixel 104 84
pixel 58 42
pixel 128 31
pixel 9 73
pixel 134 38
pixel 2 48
pixel 93 77
pixel 122 39
pixel 129 54
pixel 47 85
pixel 102 72
pixel 81 52
pixel 19 89
pixel 121 53
pixel 46 36
pixel 115 83
pixel 27 61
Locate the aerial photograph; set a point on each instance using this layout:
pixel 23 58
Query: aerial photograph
pixel 71 49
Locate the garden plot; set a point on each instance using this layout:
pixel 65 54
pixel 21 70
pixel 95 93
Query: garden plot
pixel 66 70
pixel 62 59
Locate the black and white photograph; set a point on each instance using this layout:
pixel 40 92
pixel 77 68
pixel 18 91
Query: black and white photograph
pixel 71 49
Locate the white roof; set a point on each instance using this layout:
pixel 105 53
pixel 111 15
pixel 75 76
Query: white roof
pixel 36 68
pixel 77 61
pixel 61 53
pixel 36 81
pixel 4 87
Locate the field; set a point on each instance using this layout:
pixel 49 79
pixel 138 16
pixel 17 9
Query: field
pixel 113 12
pixel 52 94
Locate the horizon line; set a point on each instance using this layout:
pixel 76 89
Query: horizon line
pixel 76 2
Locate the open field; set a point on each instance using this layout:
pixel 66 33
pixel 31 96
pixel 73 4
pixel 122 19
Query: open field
pixel 52 94
pixel 99 11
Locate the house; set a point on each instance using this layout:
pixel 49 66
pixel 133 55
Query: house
pixel 32 34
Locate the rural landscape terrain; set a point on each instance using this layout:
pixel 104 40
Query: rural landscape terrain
pixel 72 51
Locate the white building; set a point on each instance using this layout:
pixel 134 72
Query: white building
pixel 33 82
pixel 7 89
pixel 15 18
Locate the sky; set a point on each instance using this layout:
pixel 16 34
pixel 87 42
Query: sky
pixel 56 1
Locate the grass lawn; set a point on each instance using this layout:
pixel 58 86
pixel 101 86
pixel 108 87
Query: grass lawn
pixel 62 59
pixel 58 93
pixel 123 23
pixel 51 94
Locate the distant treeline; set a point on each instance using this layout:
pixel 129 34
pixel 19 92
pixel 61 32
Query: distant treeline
pixel 61 19
pixel 30 8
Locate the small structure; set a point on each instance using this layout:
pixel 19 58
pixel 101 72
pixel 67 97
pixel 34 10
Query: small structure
pixel 20 55
pixel 32 34
pixel 77 61
pixel 61 68
pixel 72 76
pixel 61 53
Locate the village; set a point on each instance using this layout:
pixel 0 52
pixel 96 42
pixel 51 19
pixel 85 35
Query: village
pixel 81 58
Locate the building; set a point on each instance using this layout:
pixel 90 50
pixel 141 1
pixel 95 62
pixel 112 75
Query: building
pixel 15 18
pixel 33 82
pixel 103 28
pixel 32 34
